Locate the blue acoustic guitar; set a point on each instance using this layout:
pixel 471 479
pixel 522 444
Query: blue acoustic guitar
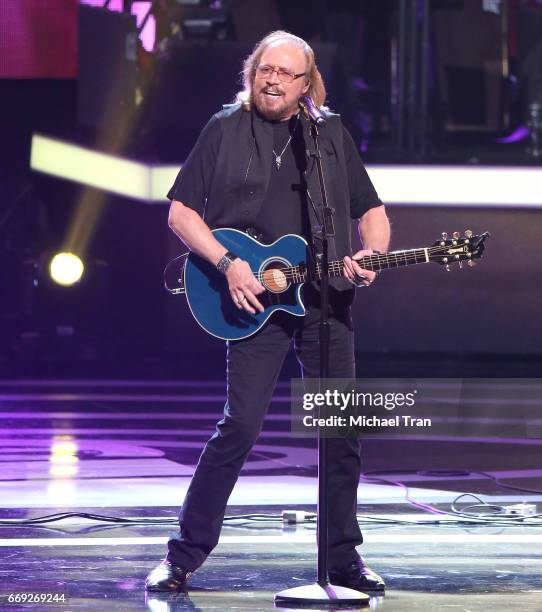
pixel 282 269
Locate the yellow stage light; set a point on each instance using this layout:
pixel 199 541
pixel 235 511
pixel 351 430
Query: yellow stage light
pixel 66 269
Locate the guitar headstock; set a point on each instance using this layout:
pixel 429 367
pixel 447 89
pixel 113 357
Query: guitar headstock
pixel 458 249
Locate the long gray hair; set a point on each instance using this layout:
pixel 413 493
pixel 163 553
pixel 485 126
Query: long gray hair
pixel 317 90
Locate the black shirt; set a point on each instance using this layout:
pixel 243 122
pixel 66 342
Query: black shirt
pixel 284 209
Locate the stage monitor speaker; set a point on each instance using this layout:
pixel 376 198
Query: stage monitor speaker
pixel 107 48
pixel 471 53
pixel 530 55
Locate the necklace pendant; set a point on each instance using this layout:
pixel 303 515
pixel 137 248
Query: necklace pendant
pixel 278 161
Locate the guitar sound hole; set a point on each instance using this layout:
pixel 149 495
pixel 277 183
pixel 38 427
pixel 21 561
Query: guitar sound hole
pixel 273 277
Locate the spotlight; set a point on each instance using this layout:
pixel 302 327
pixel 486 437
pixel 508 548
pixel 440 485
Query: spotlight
pixel 66 269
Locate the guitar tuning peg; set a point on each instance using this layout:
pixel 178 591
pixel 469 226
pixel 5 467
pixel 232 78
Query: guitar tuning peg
pixel 444 235
pixel 448 269
pixel 468 233
pixel 471 263
pixel 455 235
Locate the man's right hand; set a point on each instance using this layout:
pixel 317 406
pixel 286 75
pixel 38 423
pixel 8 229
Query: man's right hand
pixel 194 232
pixel 244 287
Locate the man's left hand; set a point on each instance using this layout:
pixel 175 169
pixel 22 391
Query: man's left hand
pixel 354 273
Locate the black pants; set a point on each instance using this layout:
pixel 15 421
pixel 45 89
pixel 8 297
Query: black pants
pixel 254 365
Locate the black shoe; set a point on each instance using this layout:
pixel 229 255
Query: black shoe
pixel 167 577
pixel 357 576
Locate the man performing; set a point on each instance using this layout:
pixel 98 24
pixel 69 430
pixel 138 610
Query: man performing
pixel 252 169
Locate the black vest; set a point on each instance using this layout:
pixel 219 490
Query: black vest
pixel 243 169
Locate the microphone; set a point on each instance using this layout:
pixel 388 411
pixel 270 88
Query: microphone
pixel 314 113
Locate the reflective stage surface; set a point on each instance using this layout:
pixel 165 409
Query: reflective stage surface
pixel 128 449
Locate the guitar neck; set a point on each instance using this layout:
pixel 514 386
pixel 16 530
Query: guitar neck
pixel 395 259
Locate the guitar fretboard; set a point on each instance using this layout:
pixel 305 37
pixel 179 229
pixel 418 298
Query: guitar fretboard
pixel 395 259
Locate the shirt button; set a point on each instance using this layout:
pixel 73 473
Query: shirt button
pixel 251 193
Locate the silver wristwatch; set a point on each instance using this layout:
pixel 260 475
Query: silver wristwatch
pixel 225 261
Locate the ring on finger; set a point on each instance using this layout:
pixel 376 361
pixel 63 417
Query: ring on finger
pixel 360 280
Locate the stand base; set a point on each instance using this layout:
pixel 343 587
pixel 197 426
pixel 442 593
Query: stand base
pixel 328 595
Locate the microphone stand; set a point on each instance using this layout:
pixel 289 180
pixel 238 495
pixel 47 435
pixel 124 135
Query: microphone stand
pixel 322 592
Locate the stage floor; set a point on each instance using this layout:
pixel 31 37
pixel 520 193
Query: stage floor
pixel 128 449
